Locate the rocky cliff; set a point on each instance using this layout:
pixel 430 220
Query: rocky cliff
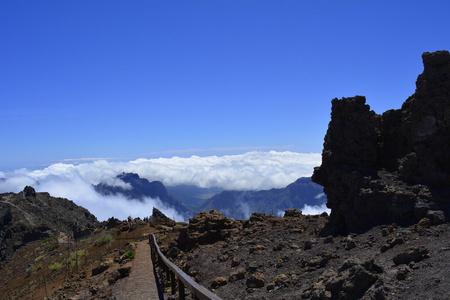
pixel 28 216
pixel 394 167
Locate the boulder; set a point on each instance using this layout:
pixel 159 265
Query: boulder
pixel 351 281
pixel 206 228
pixel 414 253
pixel 218 281
pixel 237 275
pixel 292 212
pixel 256 280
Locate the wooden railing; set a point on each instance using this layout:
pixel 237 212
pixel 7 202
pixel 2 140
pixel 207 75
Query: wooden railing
pixel 178 277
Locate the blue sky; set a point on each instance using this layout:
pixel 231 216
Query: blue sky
pixel 130 79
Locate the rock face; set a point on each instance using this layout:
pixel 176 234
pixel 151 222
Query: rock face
pixel 394 167
pixel 28 216
pixel 206 228
pixel 158 218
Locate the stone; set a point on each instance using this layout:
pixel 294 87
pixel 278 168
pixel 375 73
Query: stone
pixel 218 281
pixel 236 261
pixel 237 275
pixel 414 253
pixel 29 191
pixel 351 281
pixel 207 228
pixel 349 243
pixel 103 266
pixel 112 223
pixel 402 274
pixel 292 212
pixel 391 243
pixel 256 280
pixel 281 280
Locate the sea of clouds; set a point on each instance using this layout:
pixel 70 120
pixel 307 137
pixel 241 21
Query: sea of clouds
pixel 250 171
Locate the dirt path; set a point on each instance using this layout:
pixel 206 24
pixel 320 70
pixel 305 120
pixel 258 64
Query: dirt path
pixel 141 284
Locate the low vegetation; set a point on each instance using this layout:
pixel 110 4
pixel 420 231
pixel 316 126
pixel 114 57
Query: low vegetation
pixel 106 239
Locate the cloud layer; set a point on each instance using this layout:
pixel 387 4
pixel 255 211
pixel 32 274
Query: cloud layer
pixel 249 171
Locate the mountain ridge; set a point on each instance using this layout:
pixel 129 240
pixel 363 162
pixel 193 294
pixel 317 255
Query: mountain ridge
pixel 241 204
pixel 142 188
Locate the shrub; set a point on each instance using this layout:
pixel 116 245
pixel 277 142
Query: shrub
pixel 39 258
pixel 76 259
pixel 106 239
pixel 55 266
pixel 129 254
pixel 54 246
pixel 29 270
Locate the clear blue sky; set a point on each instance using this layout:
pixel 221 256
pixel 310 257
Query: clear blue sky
pixel 129 79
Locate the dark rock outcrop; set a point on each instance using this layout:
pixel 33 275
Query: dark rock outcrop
pixel 351 281
pixel 394 167
pixel 207 228
pixel 28 216
pixel 158 218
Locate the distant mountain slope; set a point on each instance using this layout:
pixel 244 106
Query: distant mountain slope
pixel 142 188
pixel 240 204
pixel 29 216
pixel 192 196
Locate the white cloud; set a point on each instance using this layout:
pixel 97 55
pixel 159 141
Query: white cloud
pixel 249 171
pixel 320 196
pixel 310 210
pixel 73 186
pixel 315 209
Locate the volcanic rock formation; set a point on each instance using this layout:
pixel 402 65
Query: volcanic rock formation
pixel 394 167
pixel 158 218
pixel 28 216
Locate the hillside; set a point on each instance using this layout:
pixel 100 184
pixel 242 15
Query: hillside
pixel 241 204
pixel 29 216
pixel 192 196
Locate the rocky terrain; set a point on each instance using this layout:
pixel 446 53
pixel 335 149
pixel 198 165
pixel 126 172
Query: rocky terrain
pixel 394 167
pixel 268 257
pixel 29 216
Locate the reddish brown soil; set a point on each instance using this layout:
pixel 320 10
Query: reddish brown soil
pixel 41 282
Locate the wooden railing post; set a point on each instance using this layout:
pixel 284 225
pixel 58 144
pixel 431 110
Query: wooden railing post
pixel 181 294
pixel 173 283
pixel 171 272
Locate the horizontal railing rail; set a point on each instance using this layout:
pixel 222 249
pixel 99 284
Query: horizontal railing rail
pixel 177 275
